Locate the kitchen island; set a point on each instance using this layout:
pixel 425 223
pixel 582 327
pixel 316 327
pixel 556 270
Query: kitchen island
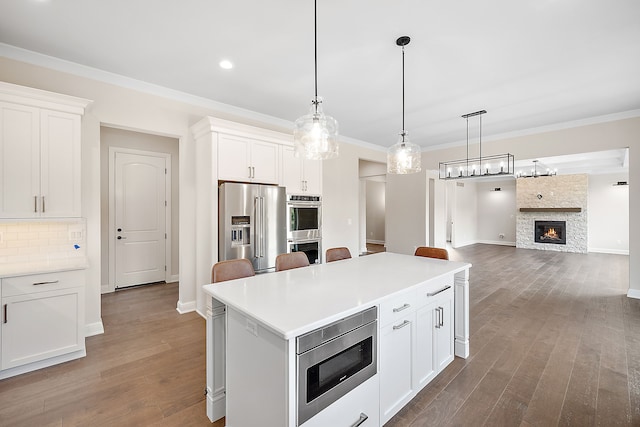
pixel 253 323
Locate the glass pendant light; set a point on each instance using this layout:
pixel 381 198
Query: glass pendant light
pixel 403 157
pixel 316 135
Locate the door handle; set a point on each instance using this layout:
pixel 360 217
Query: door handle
pixel 401 325
pixel 430 294
pixel 362 419
pixel 404 307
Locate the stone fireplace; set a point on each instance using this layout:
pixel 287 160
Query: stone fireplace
pixel 552 213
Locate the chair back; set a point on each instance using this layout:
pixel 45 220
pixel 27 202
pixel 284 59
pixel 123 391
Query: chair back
pixel 429 252
pixel 291 260
pixel 336 254
pixel 231 269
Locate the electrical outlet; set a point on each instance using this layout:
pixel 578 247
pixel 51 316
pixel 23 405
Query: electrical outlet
pixel 75 233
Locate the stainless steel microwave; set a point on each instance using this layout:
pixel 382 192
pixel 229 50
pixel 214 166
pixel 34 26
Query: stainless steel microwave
pixel 304 217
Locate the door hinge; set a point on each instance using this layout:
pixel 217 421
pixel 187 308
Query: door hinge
pixel 165 268
pixel 165 235
pixel 165 203
pixel 165 171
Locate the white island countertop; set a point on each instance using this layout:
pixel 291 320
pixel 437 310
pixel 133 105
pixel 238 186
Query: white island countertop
pixel 293 302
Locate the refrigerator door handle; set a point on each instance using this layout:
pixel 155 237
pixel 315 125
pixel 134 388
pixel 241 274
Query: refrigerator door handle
pixel 262 228
pixel 256 219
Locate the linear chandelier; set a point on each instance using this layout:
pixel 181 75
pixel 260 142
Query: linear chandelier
pixel 535 173
pixel 403 157
pixel 477 167
pixel 315 135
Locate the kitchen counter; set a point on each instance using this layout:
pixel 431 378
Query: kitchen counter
pixel 293 302
pixel 252 324
pixel 42 266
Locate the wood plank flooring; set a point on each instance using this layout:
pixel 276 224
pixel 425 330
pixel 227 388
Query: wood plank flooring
pixel 554 341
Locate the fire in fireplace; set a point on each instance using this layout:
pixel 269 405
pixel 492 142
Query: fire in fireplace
pixel 550 232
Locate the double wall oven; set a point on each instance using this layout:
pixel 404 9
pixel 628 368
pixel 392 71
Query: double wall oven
pixel 304 226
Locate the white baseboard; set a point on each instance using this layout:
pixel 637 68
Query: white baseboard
pixel 609 251
pixel 496 242
pixel 92 329
pixel 634 293
pixel 12 372
pixel 186 307
pixel 376 242
pixel 203 315
pixel 174 278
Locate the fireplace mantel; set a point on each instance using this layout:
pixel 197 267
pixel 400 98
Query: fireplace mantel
pixel 550 209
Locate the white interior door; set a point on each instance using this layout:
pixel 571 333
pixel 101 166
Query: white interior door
pixel 140 219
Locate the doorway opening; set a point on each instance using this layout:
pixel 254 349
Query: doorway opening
pixel 139 212
pixel 372 206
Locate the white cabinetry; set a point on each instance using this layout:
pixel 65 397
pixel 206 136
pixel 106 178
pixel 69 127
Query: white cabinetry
pixel 397 352
pixel 40 138
pixel 416 343
pixel 300 175
pixel 42 318
pixel 246 159
pixel 434 346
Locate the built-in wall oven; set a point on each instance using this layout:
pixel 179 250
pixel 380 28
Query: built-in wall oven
pixel 335 359
pixel 311 248
pixel 304 217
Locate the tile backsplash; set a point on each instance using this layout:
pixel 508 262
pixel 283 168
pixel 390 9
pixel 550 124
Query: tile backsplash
pixel 46 244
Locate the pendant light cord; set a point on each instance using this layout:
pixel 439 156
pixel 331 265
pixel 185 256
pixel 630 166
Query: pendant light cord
pixel 403 131
pixel 315 51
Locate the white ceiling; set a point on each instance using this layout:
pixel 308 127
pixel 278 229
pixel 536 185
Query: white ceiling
pixel 529 64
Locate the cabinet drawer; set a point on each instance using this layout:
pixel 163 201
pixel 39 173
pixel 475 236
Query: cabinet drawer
pixel 21 285
pixel 397 307
pixel 433 290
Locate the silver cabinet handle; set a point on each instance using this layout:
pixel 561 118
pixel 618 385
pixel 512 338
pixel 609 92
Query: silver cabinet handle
pixel 253 168
pixel 441 316
pixel 35 203
pixel 43 204
pixel 363 418
pixel 5 314
pixel 45 283
pixel 401 325
pixel 249 171
pixel 430 294
pixel 404 307
pixel 438 318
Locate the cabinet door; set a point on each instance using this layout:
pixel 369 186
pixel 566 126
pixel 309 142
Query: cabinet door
pixel 60 164
pixel 264 161
pixel 443 335
pixel 425 369
pixel 312 176
pixel 233 158
pixel 19 161
pixel 396 360
pixel 291 171
pixel 41 325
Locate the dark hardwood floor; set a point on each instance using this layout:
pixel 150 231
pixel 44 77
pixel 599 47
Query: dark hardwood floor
pixel 554 341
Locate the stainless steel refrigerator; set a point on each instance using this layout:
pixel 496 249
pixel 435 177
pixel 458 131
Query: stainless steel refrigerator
pixel 252 223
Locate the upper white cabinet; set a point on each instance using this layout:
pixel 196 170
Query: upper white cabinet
pixel 300 175
pixel 40 139
pixel 246 159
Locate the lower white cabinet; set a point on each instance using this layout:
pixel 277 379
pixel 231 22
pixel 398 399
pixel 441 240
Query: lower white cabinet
pixel 416 344
pixel 42 319
pixel 397 342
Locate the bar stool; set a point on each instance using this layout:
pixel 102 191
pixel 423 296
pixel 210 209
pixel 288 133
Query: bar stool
pixel 291 260
pixel 429 252
pixel 231 269
pixel 336 254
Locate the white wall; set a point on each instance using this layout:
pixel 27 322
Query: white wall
pixel 464 214
pixel 497 212
pixel 608 214
pixel 406 221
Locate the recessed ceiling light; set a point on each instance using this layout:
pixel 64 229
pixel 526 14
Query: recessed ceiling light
pixel 226 64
